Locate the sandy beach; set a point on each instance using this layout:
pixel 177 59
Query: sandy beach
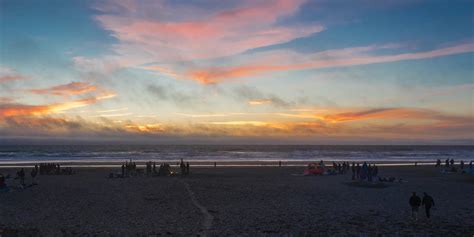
pixel 236 201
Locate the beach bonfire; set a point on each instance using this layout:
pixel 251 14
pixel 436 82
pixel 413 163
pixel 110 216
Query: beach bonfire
pixel 314 169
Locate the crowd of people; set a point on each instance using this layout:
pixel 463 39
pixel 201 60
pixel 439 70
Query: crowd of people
pixel 129 168
pixel 364 172
pixel 340 168
pixel 451 167
pixel 53 169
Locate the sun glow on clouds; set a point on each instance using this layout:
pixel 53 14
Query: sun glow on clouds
pixel 260 102
pixel 327 59
pixel 10 110
pixel 73 88
pixel 176 64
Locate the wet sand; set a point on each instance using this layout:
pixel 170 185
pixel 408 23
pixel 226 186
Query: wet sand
pixel 238 201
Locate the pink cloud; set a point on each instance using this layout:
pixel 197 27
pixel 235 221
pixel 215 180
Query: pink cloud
pixel 73 88
pixel 217 34
pixel 8 74
pixel 327 59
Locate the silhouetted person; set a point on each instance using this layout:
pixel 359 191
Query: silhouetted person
pixel 447 162
pixel 358 171
pixel 438 163
pixel 452 162
pixel 364 171
pixel 215 164
pixel 183 167
pixel 2 181
pixel 428 202
pixel 21 175
pixel 462 165
pixel 187 168
pixel 415 203
pixel 279 163
pixel 369 173
pixel 353 171
pixel 33 174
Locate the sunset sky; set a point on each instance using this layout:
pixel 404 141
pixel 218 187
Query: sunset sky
pixel 273 71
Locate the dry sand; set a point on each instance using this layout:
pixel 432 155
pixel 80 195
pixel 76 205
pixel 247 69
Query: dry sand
pixel 257 201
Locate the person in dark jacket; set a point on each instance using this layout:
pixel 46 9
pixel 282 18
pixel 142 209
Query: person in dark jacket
pixel 183 167
pixel 415 203
pixel 428 202
pixel 33 174
pixel 21 176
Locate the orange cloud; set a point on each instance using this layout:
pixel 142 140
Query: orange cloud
pixel 73 88
pixel 383 114
pixel 437 125
pixel 260 102
pixel 327 59
pixel 146 128
pixel 215 75
pixel 10 110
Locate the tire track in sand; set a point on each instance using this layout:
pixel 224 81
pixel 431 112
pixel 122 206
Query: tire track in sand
pixel 208 218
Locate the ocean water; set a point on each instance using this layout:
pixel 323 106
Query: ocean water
pixel 108 153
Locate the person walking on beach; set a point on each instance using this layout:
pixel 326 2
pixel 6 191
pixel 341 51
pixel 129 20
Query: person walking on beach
pixel 452 162
pixel 415 203
pixel 438 163
pixel 462 164
pixel 428 202
pixel 447 162
pixel 187 168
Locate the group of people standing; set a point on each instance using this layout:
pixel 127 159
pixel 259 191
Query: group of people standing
pixel 21 175
pixel 129 168
pixel 340 168
pixel 450 167
pixel 184 167
pixel 364 172
pixel 53 169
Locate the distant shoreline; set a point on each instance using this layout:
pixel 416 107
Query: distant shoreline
pixel 205 163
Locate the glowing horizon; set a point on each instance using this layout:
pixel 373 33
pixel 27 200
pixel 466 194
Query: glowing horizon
pixel 267 70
